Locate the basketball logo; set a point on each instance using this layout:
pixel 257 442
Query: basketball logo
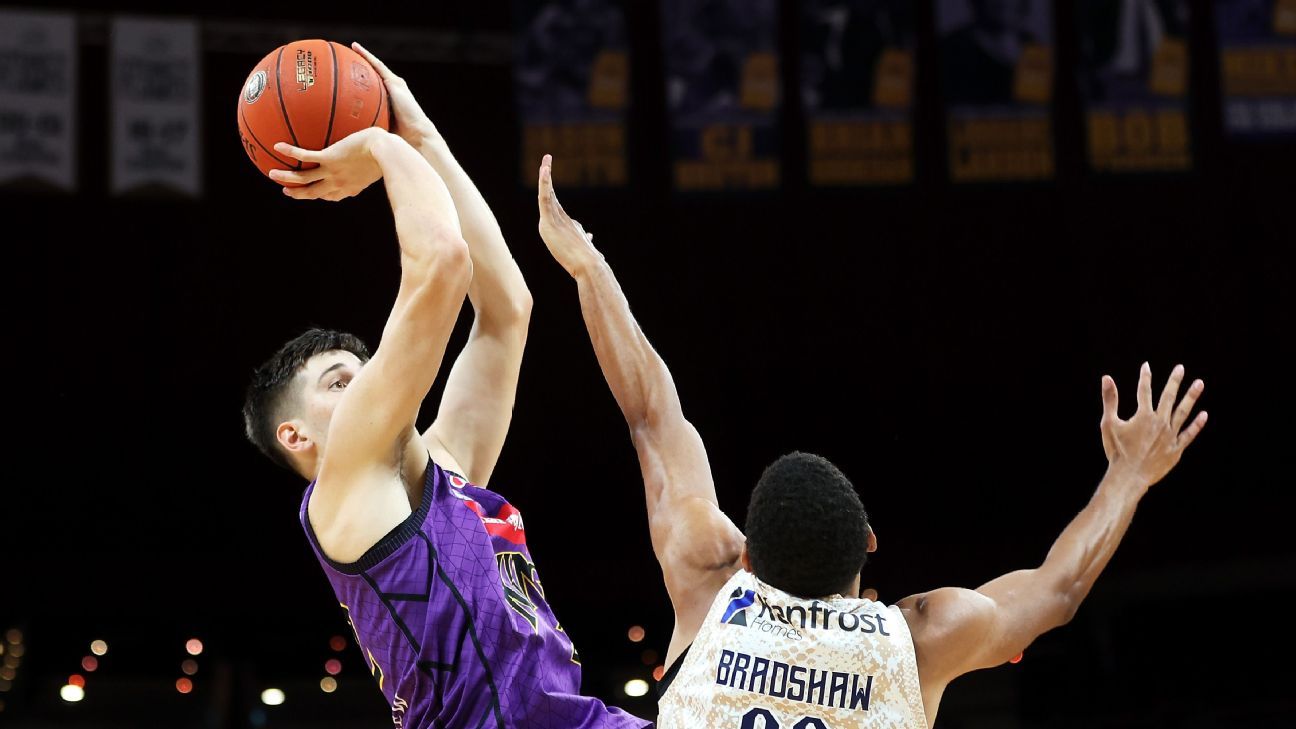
pixel 360 74
pixel 255 87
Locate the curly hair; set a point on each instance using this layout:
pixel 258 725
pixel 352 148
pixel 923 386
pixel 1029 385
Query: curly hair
pixel 807 531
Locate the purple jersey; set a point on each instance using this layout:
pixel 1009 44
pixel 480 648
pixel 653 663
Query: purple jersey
pixel 452 620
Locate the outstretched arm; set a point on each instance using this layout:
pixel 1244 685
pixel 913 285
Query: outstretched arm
pixel 957 630
pixel 697 546
pixel 477 405
pixel 382 401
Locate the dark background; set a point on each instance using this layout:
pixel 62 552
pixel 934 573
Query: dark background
pixel 942 344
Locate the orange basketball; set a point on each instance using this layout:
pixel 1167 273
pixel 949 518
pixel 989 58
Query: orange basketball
pixel 310 94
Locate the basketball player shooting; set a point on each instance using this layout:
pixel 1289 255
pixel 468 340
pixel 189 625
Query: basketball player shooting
pixel 770 629
pixel 432 571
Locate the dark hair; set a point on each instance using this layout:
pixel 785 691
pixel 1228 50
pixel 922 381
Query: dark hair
pixel 269 392
pixel 807 531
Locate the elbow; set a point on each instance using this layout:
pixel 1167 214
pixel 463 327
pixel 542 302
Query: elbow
pixel 1068 604
pixel 516 312
pixel 453 264
pixel 441 258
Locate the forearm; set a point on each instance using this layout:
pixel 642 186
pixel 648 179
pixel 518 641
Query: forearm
pixel 421 204
pixel 498 291
pixel 637 376
pixel 1087 544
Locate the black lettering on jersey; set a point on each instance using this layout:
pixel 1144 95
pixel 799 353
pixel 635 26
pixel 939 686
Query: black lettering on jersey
pixel 818 679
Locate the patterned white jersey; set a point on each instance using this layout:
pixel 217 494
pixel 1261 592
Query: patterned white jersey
pixel 764 659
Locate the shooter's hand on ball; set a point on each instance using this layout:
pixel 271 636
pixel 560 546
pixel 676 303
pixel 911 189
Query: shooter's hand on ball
pixel 407 117
pixel 345 168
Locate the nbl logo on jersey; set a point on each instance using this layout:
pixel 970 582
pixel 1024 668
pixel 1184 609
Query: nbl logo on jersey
pixel 736 613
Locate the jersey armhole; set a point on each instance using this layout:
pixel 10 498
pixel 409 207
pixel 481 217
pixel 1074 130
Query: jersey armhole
pixel 385 547
pixel 669 677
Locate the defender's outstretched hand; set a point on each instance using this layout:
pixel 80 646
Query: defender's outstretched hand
pixel 345 168
pixel 1149 444
pixel 567 240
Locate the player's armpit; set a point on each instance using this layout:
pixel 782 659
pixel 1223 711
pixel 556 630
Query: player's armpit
pixel 692 533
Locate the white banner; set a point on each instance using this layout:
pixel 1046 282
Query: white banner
pixel 155 96
pixel 38 64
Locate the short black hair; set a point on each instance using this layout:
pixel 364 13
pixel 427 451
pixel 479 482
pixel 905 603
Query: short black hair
pixel 268 392
pixel 807 531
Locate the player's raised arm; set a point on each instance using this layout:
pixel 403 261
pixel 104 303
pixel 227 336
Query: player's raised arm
pixel 477 406
pixel 382 401
pixel 956 631
pixel 695 542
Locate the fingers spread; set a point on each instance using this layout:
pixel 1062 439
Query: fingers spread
pixel 1171 391
pixel 1186 405
pixel 1145 387
pixel 1110 398
pixel 1190 434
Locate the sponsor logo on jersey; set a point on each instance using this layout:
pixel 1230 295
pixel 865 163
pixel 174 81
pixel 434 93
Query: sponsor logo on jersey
pixel 507 524
pixel 815 616
pixel 736 612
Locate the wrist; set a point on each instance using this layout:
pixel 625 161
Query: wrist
pixel 429 142
pixel 589 265
pixel 378 140
pixel 1126 481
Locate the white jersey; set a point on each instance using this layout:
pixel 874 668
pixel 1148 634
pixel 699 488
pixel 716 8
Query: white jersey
pixel 764 659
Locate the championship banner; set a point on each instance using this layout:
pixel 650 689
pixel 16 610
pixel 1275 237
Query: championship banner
pixel 38 85
pixel 154 71
pixel 572 82
pixel 997 84
pixel 1134 84
pixel 1257 42
pixel 722 88
pixel 857 89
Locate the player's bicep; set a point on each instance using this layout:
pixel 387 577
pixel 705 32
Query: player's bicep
pixel 1028 604
pixel 957 630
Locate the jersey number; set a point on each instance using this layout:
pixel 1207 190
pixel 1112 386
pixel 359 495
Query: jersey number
pixel 759 718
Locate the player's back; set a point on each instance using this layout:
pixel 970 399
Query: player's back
pixel 451 618
pixel 764 658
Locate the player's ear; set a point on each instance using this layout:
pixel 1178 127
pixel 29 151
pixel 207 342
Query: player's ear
pixel 290 436
pixel 746 559
pixel 872 541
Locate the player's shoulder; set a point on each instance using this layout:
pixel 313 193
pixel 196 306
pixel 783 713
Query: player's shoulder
pixel 945 623
pixel 937 616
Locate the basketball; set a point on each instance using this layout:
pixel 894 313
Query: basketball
pixel 310 94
